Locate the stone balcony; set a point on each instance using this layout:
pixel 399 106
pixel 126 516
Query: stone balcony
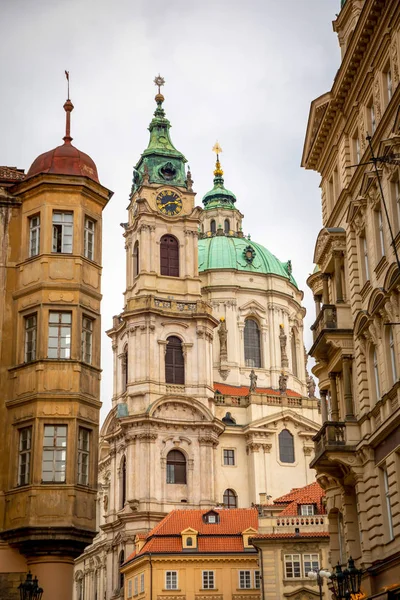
pixel 289 524
pixel 333 319
pixel 334 437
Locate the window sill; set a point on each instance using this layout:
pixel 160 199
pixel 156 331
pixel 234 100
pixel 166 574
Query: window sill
pixel 209 589
pixel 171 590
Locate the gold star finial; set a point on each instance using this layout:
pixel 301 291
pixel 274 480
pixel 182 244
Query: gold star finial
pixel 159 81
pixel 218 172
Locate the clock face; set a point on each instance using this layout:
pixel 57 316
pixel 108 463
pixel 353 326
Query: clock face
pixel 169 203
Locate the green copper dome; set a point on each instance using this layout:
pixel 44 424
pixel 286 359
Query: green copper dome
pixel 228 252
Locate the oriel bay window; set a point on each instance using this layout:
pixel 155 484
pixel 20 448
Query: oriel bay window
pixel 24 459
pixel 87 336
pixel 83 456
pixel 63 232
pixel 34 235
pixel 59 342
pixel 54 460
pixel 30 337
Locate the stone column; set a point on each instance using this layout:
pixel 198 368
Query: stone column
pixel 317 300
pixel 325 288
pixel 334 398
pixel 348 394
pixel 337 257
pixel 324 409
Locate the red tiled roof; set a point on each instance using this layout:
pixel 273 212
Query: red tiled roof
pixel 11 174
pixel 243 390
pixel 278 536
pixel 225 536
pixel 309 494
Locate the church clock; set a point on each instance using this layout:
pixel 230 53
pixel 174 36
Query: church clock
pixel 169 203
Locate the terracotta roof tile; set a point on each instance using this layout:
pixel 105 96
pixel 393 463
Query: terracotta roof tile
pixel 309 494
pixel 231 390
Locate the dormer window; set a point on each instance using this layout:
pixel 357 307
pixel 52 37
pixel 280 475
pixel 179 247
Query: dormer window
pixel 189 539
pixel 211 517
pixel 306 510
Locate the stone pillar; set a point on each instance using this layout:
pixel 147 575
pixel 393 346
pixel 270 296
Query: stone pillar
pixel 337 257
pixel 334 398
pixel 325 288
pixel 324 409
pixel 317 300
pixel 348 394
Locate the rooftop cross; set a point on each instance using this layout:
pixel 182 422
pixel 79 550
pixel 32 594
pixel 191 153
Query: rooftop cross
pixel 159 81
pixel 218 171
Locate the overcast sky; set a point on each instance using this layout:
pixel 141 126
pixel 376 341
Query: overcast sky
pixel 240 72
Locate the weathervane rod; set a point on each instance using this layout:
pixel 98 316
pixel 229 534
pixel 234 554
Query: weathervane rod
pixel 67 76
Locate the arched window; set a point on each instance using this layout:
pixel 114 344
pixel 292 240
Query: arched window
pixel 376 375
pixel 252 350
pixel 189 541
pixel 294 353
pixel 174 362
pixel 121 561
pixel 286 447
pixel 176 467
pixel 169 256
pixel 230 499
pixel 213 226
pixel 124 369
pixel 122 476
pixel 392 352
pixel 136 267
pixel 227 226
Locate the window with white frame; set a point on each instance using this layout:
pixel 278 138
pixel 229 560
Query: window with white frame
pixel 130 588
pixel 257 579
pixel 83 455
pixel 388 504
pixel 310 563
pixel 30 337
pixel 376 374
pixel 88 238
pixel 244 580
pixel 171 580
pixel 54 460
pixel 381 237
pixel 292 566
pixel 392 351
pixel 307 510
pixel 59 342
pixel 229 457
pixel 24 461
pixel 135 586
pixel 34 235
pixel 208 580
pixel 62 232
pixel 141 583
pixel 87 336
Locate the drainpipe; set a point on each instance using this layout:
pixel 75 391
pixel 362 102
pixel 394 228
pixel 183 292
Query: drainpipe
pixel 151 578
pixel 261 565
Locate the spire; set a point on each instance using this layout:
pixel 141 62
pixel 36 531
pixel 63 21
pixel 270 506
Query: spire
pixel 161 161
pixel 219 196
pixel 68 107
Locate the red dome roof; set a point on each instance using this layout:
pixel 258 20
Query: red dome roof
pixel 65 159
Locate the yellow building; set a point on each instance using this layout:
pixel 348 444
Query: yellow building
pixel 356 288
pixel 196 555
pixel 293 540
pixel 50 267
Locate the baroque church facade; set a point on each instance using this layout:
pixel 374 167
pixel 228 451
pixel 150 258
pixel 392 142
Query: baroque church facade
pixel 212 404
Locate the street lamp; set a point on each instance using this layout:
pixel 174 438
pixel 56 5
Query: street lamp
pixel 319 576
pixel 346 583
pixel 30 590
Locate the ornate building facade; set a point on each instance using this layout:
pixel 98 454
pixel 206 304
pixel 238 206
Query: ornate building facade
pixel 50 263
pixel 211 405
pixel 356 289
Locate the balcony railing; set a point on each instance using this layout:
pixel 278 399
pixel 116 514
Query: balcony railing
pixel 331 436
pixel 327 319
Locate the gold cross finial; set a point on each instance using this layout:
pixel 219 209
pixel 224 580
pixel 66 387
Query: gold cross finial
pixel 217 148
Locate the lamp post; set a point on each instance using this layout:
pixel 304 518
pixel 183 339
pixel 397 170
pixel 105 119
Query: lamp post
pixel 346 583
pixel 30 590
pixel 319 577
